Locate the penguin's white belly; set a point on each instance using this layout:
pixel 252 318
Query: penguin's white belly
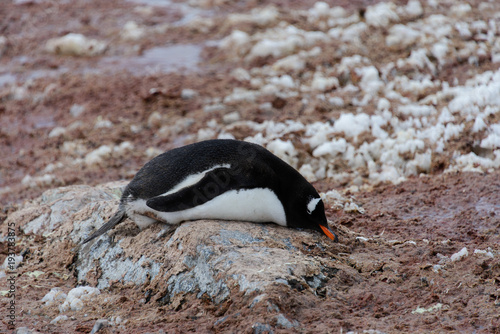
pixel 255 205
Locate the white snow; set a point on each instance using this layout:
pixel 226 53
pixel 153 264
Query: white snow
pixel 76 298
pixel 241 94
pixel 75 45
pixel 323 84
pixel 123 147
pixel 275 48
pixel 307 171
pixel 59 318
pixel 57 131
pixel 352 125
pixel 413 9
pixel 492 141
pixel 417 110
pixel 284 81
pixel 336 101
pixel 260 16
pixel 452 131
pixel 401 36
pixel 370 80
pixel 76 110
pixel 319 9
pixel 463 29
pixel 284 150
pixel 231 117
pixel 351 34
pixel 332 148
pixel 35 181
pixel 459 255
pixel 103 123
pixel 479 124
pixel 381 14
pixel 54 295
pixel 188 94
pixel 236 42
pixel 486 253
pixel 461 9
pixel 473 163
pixel 440 51
pixel 353 207
pixel 410 112
pixel 294 63
pixel 98 155
pixel 337 201
pixel 132 31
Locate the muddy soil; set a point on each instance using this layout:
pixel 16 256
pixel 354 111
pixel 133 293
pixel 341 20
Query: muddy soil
pixel 398 269
pixel 403 276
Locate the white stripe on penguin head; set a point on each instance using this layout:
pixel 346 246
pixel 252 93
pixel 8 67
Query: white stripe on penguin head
pixel 311 206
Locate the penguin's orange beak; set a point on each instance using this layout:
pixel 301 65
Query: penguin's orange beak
pixel 329 233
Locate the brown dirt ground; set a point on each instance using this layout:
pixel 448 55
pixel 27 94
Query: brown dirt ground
pixel 378 283
pixel 390 277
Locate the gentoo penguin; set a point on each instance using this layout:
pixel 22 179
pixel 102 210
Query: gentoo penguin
pixel 220 179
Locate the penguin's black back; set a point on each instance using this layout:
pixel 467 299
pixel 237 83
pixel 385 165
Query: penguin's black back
pixel 165 171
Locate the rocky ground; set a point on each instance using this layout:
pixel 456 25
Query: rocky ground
pixel 391 110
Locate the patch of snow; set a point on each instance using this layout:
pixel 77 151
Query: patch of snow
pixel 98 155
pixel 132 31
pixel 332 148
pixel 381 14
pixel 75 45
pixel 459 255
pixel 76 298
pixel 401 36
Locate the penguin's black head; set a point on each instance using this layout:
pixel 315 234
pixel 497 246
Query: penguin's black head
pixel 309 213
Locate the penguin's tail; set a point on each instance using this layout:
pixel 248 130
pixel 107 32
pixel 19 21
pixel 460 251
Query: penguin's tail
pixel 115 220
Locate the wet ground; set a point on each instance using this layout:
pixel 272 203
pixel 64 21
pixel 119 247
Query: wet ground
pixel 140 91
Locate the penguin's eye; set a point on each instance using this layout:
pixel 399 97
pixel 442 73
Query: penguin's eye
pixel 311 206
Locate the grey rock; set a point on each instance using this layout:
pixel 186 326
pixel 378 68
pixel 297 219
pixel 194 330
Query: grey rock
pixel 259 328
pixel 99 324
pixel 283 322
pixel 200 258
pixel 199 277
pixel 76 110
pixel 271 307
pixel 220 320
pixel 257 300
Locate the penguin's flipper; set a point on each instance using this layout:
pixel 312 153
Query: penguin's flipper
pixel 115 220
pixel 213 184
